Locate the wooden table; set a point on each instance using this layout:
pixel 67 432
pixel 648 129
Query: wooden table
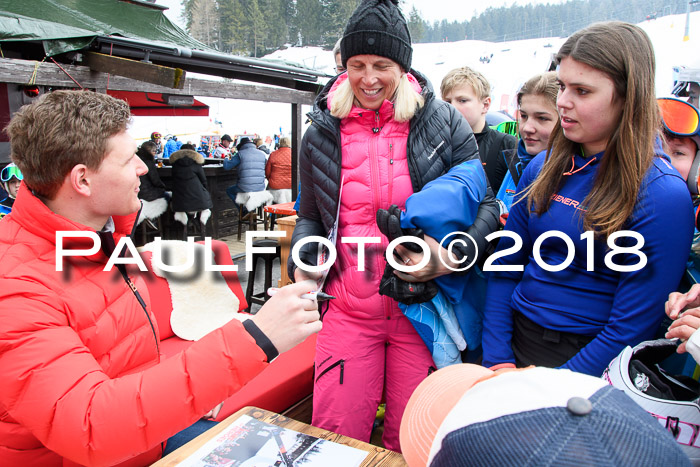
pixel 377 456
pixel 286 225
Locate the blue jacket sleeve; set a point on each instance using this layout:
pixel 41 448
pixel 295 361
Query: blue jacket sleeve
pixel 664 218
pixel 449 203
pixel 498 314
pixel 233 162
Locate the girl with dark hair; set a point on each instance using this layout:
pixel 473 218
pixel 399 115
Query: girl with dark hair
pixel 620 215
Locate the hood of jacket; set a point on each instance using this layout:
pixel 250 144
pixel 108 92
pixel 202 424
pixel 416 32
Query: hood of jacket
pixel 184 154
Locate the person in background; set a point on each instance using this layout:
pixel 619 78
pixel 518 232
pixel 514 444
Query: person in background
pixel 251 170
pixel 11 178
pixel 171 145
pixel 470 93
pixel 190 191
pixel 223 149
pixel 537 116
pixel 261 146
pixel 83 380
pixel 377 136
pixel 278 169
pixel 152 187
pixel 687 89
pixel 339 67
pixel 577 303
pixel 681 138
pixel 156 138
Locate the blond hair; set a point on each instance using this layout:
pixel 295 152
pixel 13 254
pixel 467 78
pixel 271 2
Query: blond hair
pixel 544 84
pixel 285 142
pixel 406 100
pixel 624 52
pixel 60 130
pixel 462 76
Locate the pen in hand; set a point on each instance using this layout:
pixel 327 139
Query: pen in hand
pixel 313 295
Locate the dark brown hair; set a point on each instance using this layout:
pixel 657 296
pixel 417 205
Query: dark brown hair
pixel 624 52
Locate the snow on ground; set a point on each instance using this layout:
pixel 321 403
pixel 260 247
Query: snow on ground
pixel 512 64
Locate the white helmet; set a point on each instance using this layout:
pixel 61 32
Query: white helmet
pixel 672 400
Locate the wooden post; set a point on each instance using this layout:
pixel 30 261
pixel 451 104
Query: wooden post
pixel 296 144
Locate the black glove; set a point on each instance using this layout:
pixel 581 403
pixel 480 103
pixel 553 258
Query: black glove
pixel 405 292
pixel 389 223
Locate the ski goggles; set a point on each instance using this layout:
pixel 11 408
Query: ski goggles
pixel 679 117
pixel 9 172
pixel 509 128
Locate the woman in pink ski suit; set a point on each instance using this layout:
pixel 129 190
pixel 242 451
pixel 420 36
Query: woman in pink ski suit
pixel 379 129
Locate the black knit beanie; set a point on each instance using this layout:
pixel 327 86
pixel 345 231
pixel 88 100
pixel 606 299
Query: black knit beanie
pixel 377 27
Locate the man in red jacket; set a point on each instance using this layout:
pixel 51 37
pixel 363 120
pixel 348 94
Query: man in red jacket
pixel 82 378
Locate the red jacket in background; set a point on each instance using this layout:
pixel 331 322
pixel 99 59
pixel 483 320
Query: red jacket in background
pixel 278 169
pixel 82 378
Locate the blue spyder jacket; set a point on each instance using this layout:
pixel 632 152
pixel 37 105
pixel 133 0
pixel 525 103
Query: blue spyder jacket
pixel 445 205
pixel 507 190
pixel 618 308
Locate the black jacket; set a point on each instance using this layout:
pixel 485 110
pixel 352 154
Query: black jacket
pixel 431 127
pixel 492 143
pixel 152 187
pixel 189 183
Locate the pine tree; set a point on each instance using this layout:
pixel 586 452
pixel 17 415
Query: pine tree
pixel 257 28
pixel 416 25
pixel 203 21
pixel 309 21
pixel 233 28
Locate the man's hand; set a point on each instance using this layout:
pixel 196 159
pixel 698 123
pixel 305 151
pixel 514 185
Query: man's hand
pixel 213 413
pixel 434 268
pixel 287 319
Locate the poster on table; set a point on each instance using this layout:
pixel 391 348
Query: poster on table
pixel 251 443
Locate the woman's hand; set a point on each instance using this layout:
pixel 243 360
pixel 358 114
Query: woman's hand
pixel 684 309
pixel 434 268
pixel 684 327
pixel 300 275
pixel 678 302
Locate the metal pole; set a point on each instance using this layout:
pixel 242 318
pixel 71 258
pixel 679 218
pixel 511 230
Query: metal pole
pixel 296 143
pixel 686 36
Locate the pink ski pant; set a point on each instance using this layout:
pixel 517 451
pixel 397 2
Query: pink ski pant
pixel 359 360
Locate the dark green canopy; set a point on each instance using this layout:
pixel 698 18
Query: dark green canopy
pixel 68 25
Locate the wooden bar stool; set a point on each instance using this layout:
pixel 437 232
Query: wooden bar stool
pixel 201 216
pixel 268 258
pixel 253 201
pixel 150 221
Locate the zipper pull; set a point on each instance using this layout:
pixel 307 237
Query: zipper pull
pixel 391 153
pixel 375 130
